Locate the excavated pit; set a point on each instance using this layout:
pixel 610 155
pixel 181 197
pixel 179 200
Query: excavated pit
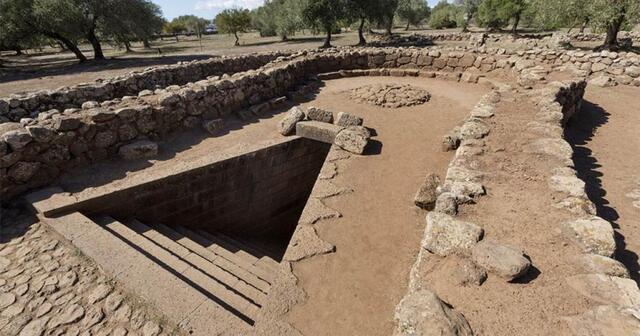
pixel 256 197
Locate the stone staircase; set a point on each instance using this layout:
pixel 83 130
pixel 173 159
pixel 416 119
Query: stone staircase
pixel 205 283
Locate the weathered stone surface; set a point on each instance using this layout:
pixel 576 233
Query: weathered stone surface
pixel 427 194
pixel 451 141
pixel 606 321
pixel 474 129
pixel 317 130
pixel 594 263
pixel 90 104
pixel 17 139
pixel 445 235
pixel 315 211
pixel 557 148
pixel 506 261
pixel 569 184
pixel 287 125
pixel 602 81
pixel 139 150
pixel 390 95
pixel 105 139
pixel 345 120
pixel 317 114
pixel 606 290
pixel 305 243
pixel 422 313
pixel 593 234
pixel 99 115
pixel 446 203
pixel 353 139
pixel 7 299
pixel 482 111
pixel 63 124
pixel 213 126
pixel 23 171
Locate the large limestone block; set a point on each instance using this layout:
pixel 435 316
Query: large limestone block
pixel 317 130
pixel 445 235
pixel 506 261
pixel 353 139
pixel 593 234
pixel 288 124
pixel 422 313
pixel 607 290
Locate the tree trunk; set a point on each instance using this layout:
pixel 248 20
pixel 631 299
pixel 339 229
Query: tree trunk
pixel 237 39
pixel 516 21
pixel 68 44
pixel 146 43
pixel 284 38
pixel 17 50
pixel 361 39
pixel 127 46
pixel 611 40
pixel 584 26
pixel 327 40
pixel 407 28
pixel 95 43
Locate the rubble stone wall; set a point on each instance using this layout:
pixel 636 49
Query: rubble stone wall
pixel 29 105
pixel 34 152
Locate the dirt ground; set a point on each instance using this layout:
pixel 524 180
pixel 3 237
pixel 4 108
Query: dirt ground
pixel 606 140
pixel 354 290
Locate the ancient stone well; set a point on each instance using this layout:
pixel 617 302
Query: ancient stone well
pixel 200 242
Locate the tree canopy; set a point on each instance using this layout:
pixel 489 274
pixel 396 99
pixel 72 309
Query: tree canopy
pixel 233 21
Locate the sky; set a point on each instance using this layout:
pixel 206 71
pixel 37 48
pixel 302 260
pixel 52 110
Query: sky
pixel 209 8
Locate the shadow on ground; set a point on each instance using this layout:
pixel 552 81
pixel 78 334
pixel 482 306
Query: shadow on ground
pixel 64 66
pixel 579 134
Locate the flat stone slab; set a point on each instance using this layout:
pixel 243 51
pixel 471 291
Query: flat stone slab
pixel 506 261
pixel 606 290
pixel 317 130
pixel 305 243
pixel 423 313
pixel 353 139
pixel 593 234
pixel 445 235
pixel 606 321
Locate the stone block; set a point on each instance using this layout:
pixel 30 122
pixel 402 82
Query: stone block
pixel 317 130
pixel 503 260
pixel 138 150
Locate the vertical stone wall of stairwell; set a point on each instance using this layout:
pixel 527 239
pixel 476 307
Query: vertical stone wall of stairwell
pixel 256 193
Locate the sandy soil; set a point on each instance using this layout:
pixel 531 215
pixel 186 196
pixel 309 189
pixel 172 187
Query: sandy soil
pixel 606 142
pixel 354 291
pixel 517 210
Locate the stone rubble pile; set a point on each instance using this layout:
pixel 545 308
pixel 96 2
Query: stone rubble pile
pixel 345 131
pixel 390 95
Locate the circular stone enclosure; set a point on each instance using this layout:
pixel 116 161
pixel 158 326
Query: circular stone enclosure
pixel 390 95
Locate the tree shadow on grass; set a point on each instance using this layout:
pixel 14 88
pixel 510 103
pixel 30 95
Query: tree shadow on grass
pixel 579 133
pixel 60 66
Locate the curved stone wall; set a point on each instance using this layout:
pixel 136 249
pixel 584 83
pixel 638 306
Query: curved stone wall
pixel 35 152
pixel 31 104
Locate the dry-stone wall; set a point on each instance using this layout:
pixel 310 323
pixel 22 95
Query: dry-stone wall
pixel 35 151
pixel 28 105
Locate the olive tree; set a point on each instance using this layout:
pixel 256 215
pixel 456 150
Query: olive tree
pixel 413 11
pixel 325 14
pixel 233 21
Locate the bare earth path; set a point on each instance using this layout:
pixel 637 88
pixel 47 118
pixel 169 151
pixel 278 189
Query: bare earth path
pixel 607 149
pixel 354 290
